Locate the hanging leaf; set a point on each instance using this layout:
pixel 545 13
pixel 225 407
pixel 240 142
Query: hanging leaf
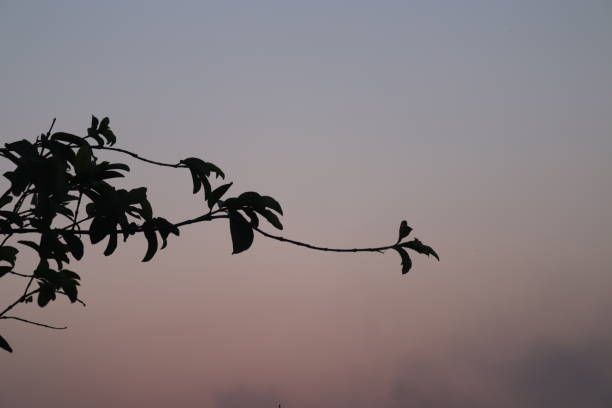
pixel 112 243
pixel 46 294
pixel 4 345
pixel 404 230
pixel 75 245
pixel 241 231
pixel 151 237
pixel 406 261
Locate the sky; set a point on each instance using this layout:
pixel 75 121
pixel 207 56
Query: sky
pixel 485 124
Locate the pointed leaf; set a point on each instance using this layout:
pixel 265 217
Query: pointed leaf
pixel 271 218
pixel 4 345
pixel 404 230
pixel 151 237
pixel 217 193
pixel 75 245
pixel 418 246
pixel 272 203
pixel 406 261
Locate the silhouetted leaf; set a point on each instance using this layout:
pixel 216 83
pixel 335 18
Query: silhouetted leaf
pixel 4 270
pixel 252 216
pixel 151 244
pixel 69 138
pixel 269 202
pixel 98 229
pixel 195 178
pixel 404 231
pixel 94 123
pixel 5 200
pixel 241 231
pixel 112 243
pixel 217 193
pixel 4 345
pixel 75 245
pixel 46 294
pixel 406 261
pixel 8 254
pixel 30 244
pixel 421 248
pixel 83 160
pixel 271 217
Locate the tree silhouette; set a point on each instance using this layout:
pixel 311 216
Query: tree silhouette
pixel 60 192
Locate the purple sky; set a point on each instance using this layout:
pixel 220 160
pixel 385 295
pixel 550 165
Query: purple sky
pixel 485 124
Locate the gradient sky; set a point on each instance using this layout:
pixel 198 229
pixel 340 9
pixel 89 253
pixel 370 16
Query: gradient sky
pixel 487 125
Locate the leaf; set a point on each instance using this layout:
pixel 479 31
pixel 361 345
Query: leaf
pixel 151 244
pixel 418 246
pixel 217 193
pixel 75 245
pixel 69 138
pixel 112 243
pixel 94 123
pixel 197 184
pixel 104 123
pixel 98 229
pixel 271 218
pixel 406 261
pixel 45 295
pixel 202 167
pixel 5 200
pixel 4 345
pixel 8 254
pixel 272 203
pixel 4 269
pixel 110 137
pixel 83 159
pixel 253 217
pixel 404 230
pixel 241 231
pixel 30 244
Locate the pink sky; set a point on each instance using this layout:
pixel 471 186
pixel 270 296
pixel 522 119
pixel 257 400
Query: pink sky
pixel 486 126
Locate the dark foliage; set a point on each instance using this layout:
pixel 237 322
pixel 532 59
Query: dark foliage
pixel 60 192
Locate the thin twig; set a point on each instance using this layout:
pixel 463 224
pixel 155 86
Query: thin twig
pixel 34 323
pixel 136 156
pixel 21 299
pixel 318 248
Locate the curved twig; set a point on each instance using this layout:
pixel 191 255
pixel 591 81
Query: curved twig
pixel 318 248
pixel 34 323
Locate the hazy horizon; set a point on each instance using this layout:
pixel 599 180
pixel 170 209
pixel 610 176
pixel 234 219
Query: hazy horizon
pixel 485 124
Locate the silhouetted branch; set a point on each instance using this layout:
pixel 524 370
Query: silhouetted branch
pixel 136 156
pixel 34 323
pixel 318 248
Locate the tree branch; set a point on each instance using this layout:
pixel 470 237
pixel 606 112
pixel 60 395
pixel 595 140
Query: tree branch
pixel 136 156
pixel 318 248
pixel 34 323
